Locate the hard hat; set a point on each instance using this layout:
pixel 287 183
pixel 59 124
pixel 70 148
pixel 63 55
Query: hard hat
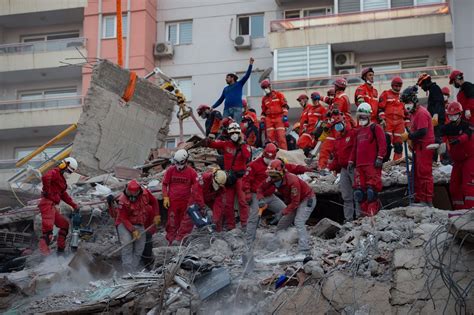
pixel 265 84
pixel 446 91
pixel 456 74
pixel 364 72
pixel 69 164
pixel 133 188
pixel 270 151
pixel 276 168
pixel 226 122
pixel 201 108
pixel 423 77
pixel 219 178
pixel 454 108
pixel 409 95
pixel 340 83
pixel 364 109
pixel 397 80
pixel 181 156
pixel 331 91
pixel 315 96
pixel 302 97
pixel 234 128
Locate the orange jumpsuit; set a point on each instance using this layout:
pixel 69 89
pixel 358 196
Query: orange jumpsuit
pixel 342 103
pixel 370 96
pixel 327 147
pixel 394 110
pixel 312 116
pixel 274 107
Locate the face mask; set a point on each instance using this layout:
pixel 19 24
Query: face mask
pixel 278 183
pixel 215 185
pixel 409 107
pixel 234 137
pixel 369 82
pixel 267 160
pixel 446 97
pixel 267 90
pixel 339 127
pixel 180 166
pixel 453 118
pixel 363 121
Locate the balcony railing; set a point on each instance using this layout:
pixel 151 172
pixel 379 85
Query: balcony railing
pixel 354 79
pixel 43 46
pixel 359 17
pixel 40 104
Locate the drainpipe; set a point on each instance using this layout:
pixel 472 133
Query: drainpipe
pixel 127 47
pixel 99 37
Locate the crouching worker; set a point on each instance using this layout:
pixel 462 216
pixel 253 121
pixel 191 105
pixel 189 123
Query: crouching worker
pixel 367 156
pixel 297 195
pixel 136 206
pixel 55 190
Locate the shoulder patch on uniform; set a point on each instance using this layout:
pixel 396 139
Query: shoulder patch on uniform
pixel 294 191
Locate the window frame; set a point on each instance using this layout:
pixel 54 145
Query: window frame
pixel 301 12
pixel 44 91
pixel 389 6
pixel 249 16
pixel 178 26
pixel 46 35
pixel 124 29
pixel 399 61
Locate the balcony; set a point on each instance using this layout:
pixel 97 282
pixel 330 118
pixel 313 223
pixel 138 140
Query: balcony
pixel 361 26
pixel 40 55
pixel 9 7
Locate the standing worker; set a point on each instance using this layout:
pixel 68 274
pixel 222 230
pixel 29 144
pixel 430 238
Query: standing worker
pixel 367 157
pixel 55 190
pixel 329 98
pixel 342 103
pixel 465 95
pixel 178 183
pixel 213 120
pixel 421 135
pixel 446 94
pixel 298 196
pixel 274 114
pixel 232 94
pixel 392 111
pixel 368 93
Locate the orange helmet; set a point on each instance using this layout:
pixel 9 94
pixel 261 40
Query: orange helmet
pixel 340 83
pixel 446 91
pixel 397 81
pixel 133 190
pixel 201 108
pixel 423 77
pixel 454 108
pixel 270 151
pixel 265 84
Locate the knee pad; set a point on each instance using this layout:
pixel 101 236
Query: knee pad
pixel 398 148
pixel 371 194
pixel 359 195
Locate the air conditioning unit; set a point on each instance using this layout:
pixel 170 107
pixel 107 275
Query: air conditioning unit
pixel 164 50
pixel 344 60
pixel 242 42
pixel 346 71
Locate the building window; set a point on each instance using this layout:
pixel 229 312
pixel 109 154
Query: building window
pixel 296 14
pixel 43 156
pixel 45 37
pixel 179 33
pixel 302 62
pixel 49 93
pixel 397 64
pixel 185 85
pixel 346 6
pixel 252 25
pixel 252 86
pixel 109 26
pixel 170 143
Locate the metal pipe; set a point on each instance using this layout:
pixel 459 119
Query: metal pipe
pixel 99 30
pixel 47 144
pixel 281 260
pixel 127 47
pixel 180 281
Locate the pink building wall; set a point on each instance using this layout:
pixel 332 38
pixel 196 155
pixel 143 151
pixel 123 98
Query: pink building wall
pixel 142 36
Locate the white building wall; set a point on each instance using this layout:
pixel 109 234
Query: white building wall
pixel 463 27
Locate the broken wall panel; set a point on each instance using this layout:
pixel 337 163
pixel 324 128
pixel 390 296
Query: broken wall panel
pixel 110 133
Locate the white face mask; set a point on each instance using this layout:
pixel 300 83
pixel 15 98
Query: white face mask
pixel 267 160
pixel 363 121
pixel 234 137
pixel 453 118
pixel 267 90
pixel 446 97
pixel 409 107
pixel 180 166
pixel 215 185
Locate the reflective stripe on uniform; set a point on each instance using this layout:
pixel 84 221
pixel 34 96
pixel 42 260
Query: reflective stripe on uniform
pixel 459 202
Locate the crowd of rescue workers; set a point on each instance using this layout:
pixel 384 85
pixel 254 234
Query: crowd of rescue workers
pixel 245 185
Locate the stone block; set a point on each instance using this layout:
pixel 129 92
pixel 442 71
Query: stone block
pixel 326 228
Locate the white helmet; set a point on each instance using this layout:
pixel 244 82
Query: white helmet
pixel 233 128
pixel 364 109
pixel 70 164
pixel 219 179
pixel 181 156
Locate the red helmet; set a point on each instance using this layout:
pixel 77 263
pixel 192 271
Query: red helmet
pixel 455 75
pixel 364 72
pixel 226 122
pixel 446 91
pixel 423 77
pixel 315 96
pixel 454 108
pixel 244 103
pixel 270 151
pixel 276 168
pixel 331 91
pixel 340 83
pixel 302 97
pixel 265 84
pixel 201 108
pixel 133 189
pixel 397 81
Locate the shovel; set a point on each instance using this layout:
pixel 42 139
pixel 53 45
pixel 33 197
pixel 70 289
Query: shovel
pixel 248 260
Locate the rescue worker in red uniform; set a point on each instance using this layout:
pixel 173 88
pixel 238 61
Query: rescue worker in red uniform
pixel 327 137
pixel 342 102
pixel 446 94
pixel 213 120
pixel 254 177
pixel 368 93
pixel 341 153
pixel 329 98
pixel 315 113
pixel 367 157
pixel 421 135
pixel 178 183
pixel 465 95
pixel 274 114
pixel 236 155
pixel 250 130
pixel 303 101
pixel 298 196
pixel 209 189
pixel 55 190
pixel 249 112
pixel 392 113
pixel 137 209
pixel 461 150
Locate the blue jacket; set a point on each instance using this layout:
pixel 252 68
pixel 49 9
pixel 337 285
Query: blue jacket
pixel 233 93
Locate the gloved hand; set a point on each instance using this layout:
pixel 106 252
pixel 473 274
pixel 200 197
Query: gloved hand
pixel 262 122
pixel 135 235
pixel 261 203
pixel 434 120
pixel 166 202
pixel 157 220
pixel 454 141
pixel 442 148
pixel 110 200
pixel 378 163
pixel 285 118
pixel 404 136
pixel 467 114
pixel 350 166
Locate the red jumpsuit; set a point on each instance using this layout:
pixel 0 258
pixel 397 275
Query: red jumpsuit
pixel 342 150
pixel 342 103
pixel 54 190
pixel 465 96
pixel 205 195
pixel 326 149
pixel 370 96
pixel 274 107
pixel 177 185
pixel 312 116
pixel 461 151
pixel 423 157
pixel 395 113
pixel 236 157
pixel 369 145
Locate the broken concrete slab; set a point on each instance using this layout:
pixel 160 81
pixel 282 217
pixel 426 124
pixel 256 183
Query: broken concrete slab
pixel 110 133
pixel 462 227
pixel 408 258
pixel 326 228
